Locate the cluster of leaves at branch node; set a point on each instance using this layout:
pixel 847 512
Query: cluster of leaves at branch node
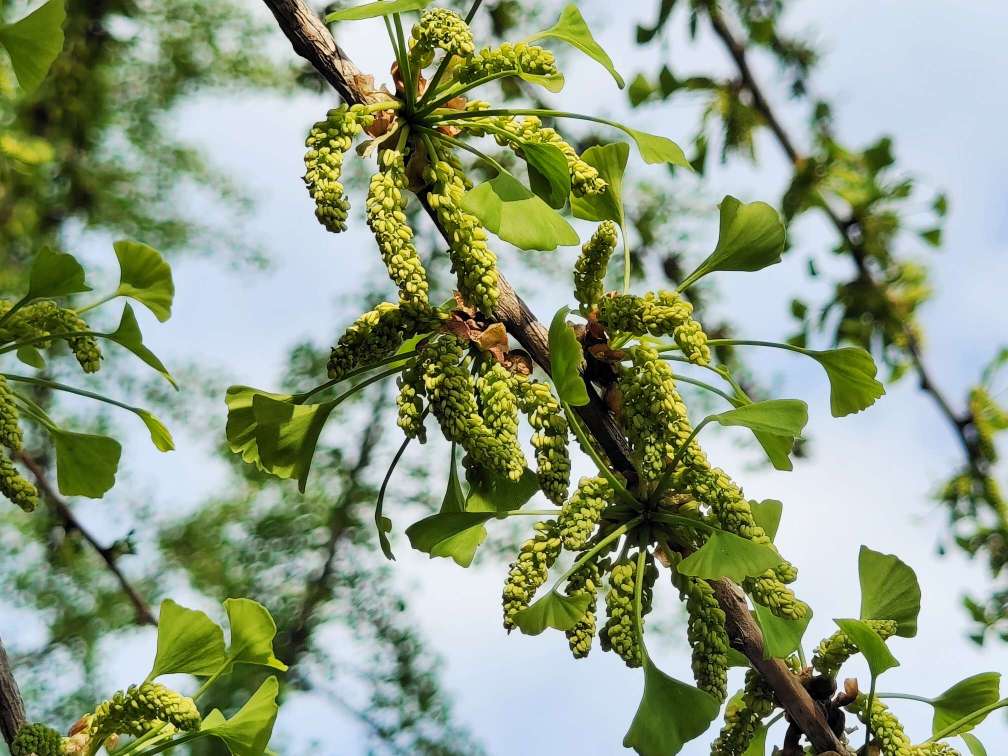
pixel 36 322
pixel 161 719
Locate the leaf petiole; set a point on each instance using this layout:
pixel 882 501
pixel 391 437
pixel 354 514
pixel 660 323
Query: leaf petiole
pixel 603 468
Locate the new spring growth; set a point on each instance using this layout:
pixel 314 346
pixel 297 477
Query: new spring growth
pixel 743 716
pixel 590 268
pixel 135 710
pixel 508 58
pixel 584 582
pixel 549 438
pixel 662 313
pixel 499 409
pixel 43 318
pixel 707 637
pixel 327 143
pixel 834 651
pixel 37 740
pixel 410 404
pixel 580 514
pixel 620 633
pixel 440 29
pixel 530 570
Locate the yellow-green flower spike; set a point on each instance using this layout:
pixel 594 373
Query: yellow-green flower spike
pixel 10 428
pixel 580 514
pixel 832 652
pixel 85 348
pixel 36 740
pixel 662 313
pixel 14 487
pixel 374 335
pixel 934 749
pixel 508 58
pixel 886 728
pixel 499 410
pixel 29 322
pixel 707 637
pixel 530 570
pixel 590 268
pixel 988 419
pixel 410 404
pixel 386 204
pixel 620 632
pixel 767 590
pixel 743 717
pixel 135 710
pixel 440 29
pixel 475 266
pixel 550 436
pixel 585 581
pixel 327 143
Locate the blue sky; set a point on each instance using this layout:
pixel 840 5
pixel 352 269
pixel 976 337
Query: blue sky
pixel 929 73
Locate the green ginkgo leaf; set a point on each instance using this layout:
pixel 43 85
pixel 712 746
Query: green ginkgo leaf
pixel 508 209
pixel 549 175
pixel 566 359
pixel 145 276
pixel 286 435
pixel 454 535
pixel 572 29
pixel 86 463
pixel 55 274
pixel 781 636
pixel 610 160
pixel 128 335
pixel 252 634
pixel 241 421
pixel 851 372
pixel 160 435
pixel 380 8
pixel 497 494
pixel 870 644
pixel 889 590
pixel 671 713
pixel 248 732
pixel 188 641
pixel 552 610
pixel 727 555
pixel 964 698
pixel 34 42
pixel 751 237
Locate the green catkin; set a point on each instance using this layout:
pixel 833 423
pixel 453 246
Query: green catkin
pixel 549 438
pixel 440 29
pixel 10 428
pixel 499 409
pixel 36 740
pixel 620 632
pixel 386 217
pixel 580 514
pixel 374 335
pixel 743 717
pixel 886 728
pixel 508 58
pixel 530 570
pixel 653 411
pixel 832 652
pixel 327 143
pixel 585 581
pixel 135 710
pixel 14 487
pixel 661 313
pixel 28 323
pixel 707 637
pixel 84 348
pixel 474 265
pixel 513 133
pixel 934 749
pixel 988 419
pixel 451 393
pixel 410 405
pixel 590 268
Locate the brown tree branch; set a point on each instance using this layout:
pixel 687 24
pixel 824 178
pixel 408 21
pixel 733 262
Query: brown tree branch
pixel 962 424
pixel 12 711
pixel 108 555
pixel 318 48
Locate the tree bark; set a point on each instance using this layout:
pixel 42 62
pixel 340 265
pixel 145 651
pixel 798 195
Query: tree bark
pixel 12 711
pixel 312 41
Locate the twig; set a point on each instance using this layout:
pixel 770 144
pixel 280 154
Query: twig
pixel 144 616
pixel 319 49
pixel 12 711
pixel 962 424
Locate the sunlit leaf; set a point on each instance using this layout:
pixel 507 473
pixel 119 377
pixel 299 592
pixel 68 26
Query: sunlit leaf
pixel 128 335
pixel 461 547
pixel 55 274
pixel 252 634
pixel 976 748
pixel 671 713
pixel 889 590
pixel 508 209
pixel 610 160
pixel 34 42
pixel 566 359
pixel 160 435
pixel 454 535
pixel 851 372
pixel 572 29
pixel 552 610
pixel 241 421
pixel 187 641
pixel 751 237
pixel 767 514
pixel 549 175
pixel 551 83
pixel 497 494
pixel 728 555
pixel 380 8
pixel 31 357
pixel 86 464
pixel 870 644
pixel 286 435
pixel 145 276
pixel 784 418
pixel 757 746
pixel 248 732
pixel 964 698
